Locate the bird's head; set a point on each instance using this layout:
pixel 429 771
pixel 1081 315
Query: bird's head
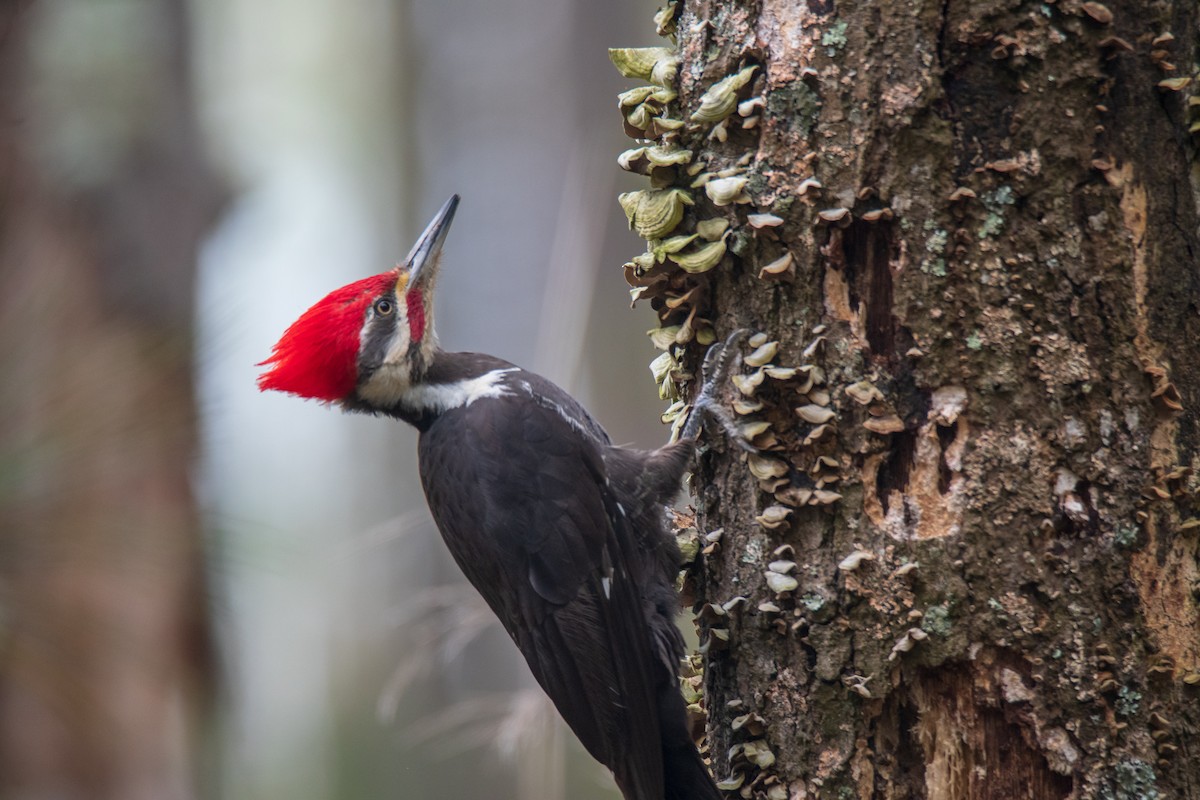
pixel 365 344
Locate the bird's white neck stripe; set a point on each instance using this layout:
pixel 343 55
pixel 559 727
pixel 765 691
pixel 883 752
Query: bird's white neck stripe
pixel 441 397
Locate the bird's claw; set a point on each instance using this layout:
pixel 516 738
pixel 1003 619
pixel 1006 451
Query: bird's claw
pixel 719 363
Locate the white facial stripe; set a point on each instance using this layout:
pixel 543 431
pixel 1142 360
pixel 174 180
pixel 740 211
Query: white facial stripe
pixel 397 352
pixel 441 397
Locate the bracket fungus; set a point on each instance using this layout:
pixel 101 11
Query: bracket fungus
pixel 654 213
pixel 658 65
pixel 682 246
pixel 721 98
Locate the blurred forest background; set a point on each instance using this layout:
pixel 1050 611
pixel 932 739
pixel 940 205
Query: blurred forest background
pixel 209 592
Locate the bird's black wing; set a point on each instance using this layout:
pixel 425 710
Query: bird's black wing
pixel 519 494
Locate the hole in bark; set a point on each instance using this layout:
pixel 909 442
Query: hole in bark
pixel 1015 768
pixel 810 654
pixel 909 756
pixel 893 473
pixel 1091 523
pixel 992 753
pixel 946 435
pixel 867 247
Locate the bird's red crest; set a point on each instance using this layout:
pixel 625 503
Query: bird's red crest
pixel 416 315
pixel 316 355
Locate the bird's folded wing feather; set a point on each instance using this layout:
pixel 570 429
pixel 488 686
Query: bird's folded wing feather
pixel 535 532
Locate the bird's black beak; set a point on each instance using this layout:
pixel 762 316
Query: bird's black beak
pixel 425 257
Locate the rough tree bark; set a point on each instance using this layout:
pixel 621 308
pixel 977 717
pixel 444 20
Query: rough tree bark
pixel 968 548
pixel 103 197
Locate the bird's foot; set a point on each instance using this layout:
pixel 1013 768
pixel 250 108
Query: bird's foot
pixel 719 364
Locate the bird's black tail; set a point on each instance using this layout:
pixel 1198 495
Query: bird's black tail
pixel 685 777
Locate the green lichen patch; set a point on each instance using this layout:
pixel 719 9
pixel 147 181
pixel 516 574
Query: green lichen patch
pixel 996 202
pixel 812 601
pixel 935 245
pixel 1128 701
pixel 936 621
pixel 993 223
pixel 1132 780
pixel 797 103
pixel 1125 535
pixel 835 38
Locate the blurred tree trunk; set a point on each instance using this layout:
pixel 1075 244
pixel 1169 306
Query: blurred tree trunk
pixel 103 196
pixel 969 552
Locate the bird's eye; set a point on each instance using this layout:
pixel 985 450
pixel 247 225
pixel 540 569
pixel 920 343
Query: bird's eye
pixel 384 307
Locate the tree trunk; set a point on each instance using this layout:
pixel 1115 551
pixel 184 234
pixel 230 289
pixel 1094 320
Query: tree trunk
pixel 968 546
pixel 103 196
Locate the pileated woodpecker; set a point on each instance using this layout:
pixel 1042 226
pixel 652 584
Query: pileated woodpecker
pixel 563 533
